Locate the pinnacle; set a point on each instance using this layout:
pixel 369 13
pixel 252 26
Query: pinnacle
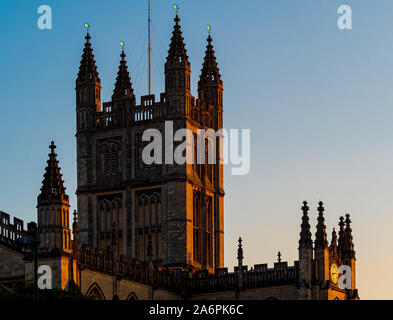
pixel 177 51
pixel 52 185
pixel 123 86
pixel 88 70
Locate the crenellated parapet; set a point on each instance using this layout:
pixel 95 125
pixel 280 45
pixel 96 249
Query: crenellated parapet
pixel 185 282
pixel 10 232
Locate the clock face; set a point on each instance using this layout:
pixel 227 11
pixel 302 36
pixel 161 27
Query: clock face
pixel 334 273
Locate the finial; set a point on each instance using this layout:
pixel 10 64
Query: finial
pixel 52 146
pixel 305 208
pixel 209 38
pixel 177 8
pixel 122 55
pixel 279 256
pixel 208 27
pixel 87 26
pixel 240 250
pixel 341 223
pixel 347 220
pixel 321 209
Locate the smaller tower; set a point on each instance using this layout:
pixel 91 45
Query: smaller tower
pixel 56 249
pixel 305 255
pixel 53 210
pixel 321 246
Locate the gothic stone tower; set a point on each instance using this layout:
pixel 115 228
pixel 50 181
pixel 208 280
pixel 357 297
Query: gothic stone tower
pixel 179 206
pixel 56 247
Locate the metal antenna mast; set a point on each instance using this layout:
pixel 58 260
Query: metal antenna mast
pixel 149 47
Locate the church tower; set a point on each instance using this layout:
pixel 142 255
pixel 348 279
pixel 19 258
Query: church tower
pixel 53 210
pixel 179 206
pixel 56 248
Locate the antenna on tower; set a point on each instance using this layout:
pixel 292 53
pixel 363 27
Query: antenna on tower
pixel 149 47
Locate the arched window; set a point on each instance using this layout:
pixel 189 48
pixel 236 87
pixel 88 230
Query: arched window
pixel 148 220
pixel 110 211
pixel 95 292
pixel 132 297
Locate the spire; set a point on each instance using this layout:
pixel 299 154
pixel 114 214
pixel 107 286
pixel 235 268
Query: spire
pixel 333 244
pixel 305 234
pixel 123 86
pixel 210 71
pixel 52 185
pixel 341 235
pixel 320 235
pixel 240 284
pixel 88 69
pixel 349 251
pixel 177 51
pixel 240 252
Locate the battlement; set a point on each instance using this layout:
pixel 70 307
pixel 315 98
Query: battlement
pixel 148 111
pixel 183 280
pixel 9 232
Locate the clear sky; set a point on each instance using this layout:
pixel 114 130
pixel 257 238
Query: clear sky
pixel 318 101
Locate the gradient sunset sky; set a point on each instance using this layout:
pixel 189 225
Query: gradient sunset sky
pixel 318 101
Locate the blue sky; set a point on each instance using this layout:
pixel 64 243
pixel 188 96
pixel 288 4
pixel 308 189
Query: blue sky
pixel 318 101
